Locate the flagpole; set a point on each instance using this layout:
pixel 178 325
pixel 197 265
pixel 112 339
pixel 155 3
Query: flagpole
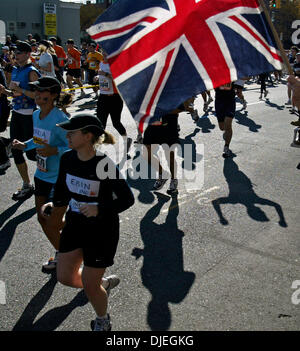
pixel 276 37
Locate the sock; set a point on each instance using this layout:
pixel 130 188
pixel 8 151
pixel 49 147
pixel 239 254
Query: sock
pixel 102 317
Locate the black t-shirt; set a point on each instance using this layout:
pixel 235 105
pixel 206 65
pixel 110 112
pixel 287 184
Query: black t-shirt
pixel 95 181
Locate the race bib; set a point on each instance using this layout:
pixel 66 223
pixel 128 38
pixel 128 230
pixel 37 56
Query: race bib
pixel 83 186
pixel 105 84
pixel 41 135
pixel 76 205
pixel 93 65
pixel 41 163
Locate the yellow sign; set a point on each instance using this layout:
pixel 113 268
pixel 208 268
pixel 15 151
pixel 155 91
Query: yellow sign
pixel 50 24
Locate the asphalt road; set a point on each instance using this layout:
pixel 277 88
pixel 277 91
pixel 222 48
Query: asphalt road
pixel 224 256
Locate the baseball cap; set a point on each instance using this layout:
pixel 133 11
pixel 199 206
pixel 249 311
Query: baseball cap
pixel 82 121
pixel 5 48
pixel 46 83
pixel 22 46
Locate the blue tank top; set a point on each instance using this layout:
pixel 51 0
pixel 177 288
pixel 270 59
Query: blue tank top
pixel 21 75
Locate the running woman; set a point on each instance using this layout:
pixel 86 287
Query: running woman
pixel 23 105
pixel 95 196
pixel 110 102
pixel 50 143
pixel 225 110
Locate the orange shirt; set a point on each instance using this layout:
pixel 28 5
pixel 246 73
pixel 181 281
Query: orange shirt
pixel 94 59
pixel 61 55
pixel 74 59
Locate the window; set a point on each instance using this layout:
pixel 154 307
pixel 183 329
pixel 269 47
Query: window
pixel 35 25
pixel 21 25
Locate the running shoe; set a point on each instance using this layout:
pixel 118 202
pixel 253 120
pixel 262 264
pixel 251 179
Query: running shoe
pixel 101 324
pixel 159 183
pixel 5 165
pixel 113 281
pixel 194 115
pixel 51 264
pixel 24 193
pixel 226 152
pixel 173 187
pixel 292 110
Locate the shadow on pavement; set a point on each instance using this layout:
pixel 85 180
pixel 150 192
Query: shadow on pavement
pixel 8 231
pixel 51 319
pixel 163 271
pixel 243 119
pixel 241 191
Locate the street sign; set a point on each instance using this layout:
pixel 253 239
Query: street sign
pixel 50 19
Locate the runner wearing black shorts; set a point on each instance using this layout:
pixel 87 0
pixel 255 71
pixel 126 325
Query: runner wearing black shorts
pixel 225 110
pixel 90 186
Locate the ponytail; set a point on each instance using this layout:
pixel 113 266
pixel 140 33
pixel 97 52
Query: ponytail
pixel 108 138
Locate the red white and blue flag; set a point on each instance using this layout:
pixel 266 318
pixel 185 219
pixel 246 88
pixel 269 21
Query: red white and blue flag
pixel 162 52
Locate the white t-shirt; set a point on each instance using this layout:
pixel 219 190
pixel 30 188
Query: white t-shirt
pixel 105 83
pixel 44 60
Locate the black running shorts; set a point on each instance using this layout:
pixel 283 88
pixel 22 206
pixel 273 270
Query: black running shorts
pixel 97 240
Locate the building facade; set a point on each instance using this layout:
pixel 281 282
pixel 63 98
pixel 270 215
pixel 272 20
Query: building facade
pixel 41 18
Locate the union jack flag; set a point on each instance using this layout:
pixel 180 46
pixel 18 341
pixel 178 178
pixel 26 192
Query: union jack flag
pixel 162 52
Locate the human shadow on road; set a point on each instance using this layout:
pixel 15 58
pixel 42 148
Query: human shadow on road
pixel 189 154
pixel 205 124
pixel 243 119
pixel 241 192
pixel 51 319
pixel 272 104
pixel 8 231
pixel 163 269
pixel 4 216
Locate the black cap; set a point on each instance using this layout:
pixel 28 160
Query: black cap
pixel 83 121
pixel 70 41
pixel 52 39
pixel 45 43
pixel 22 46
pixel 46 83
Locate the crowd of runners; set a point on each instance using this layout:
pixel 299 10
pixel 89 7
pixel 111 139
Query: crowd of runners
pixel 78 210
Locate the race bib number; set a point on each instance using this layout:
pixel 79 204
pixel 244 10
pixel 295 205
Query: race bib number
pixel 83 186
pixel 105 84
pixel 76 205
pixel 93 65
pixel 41 163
